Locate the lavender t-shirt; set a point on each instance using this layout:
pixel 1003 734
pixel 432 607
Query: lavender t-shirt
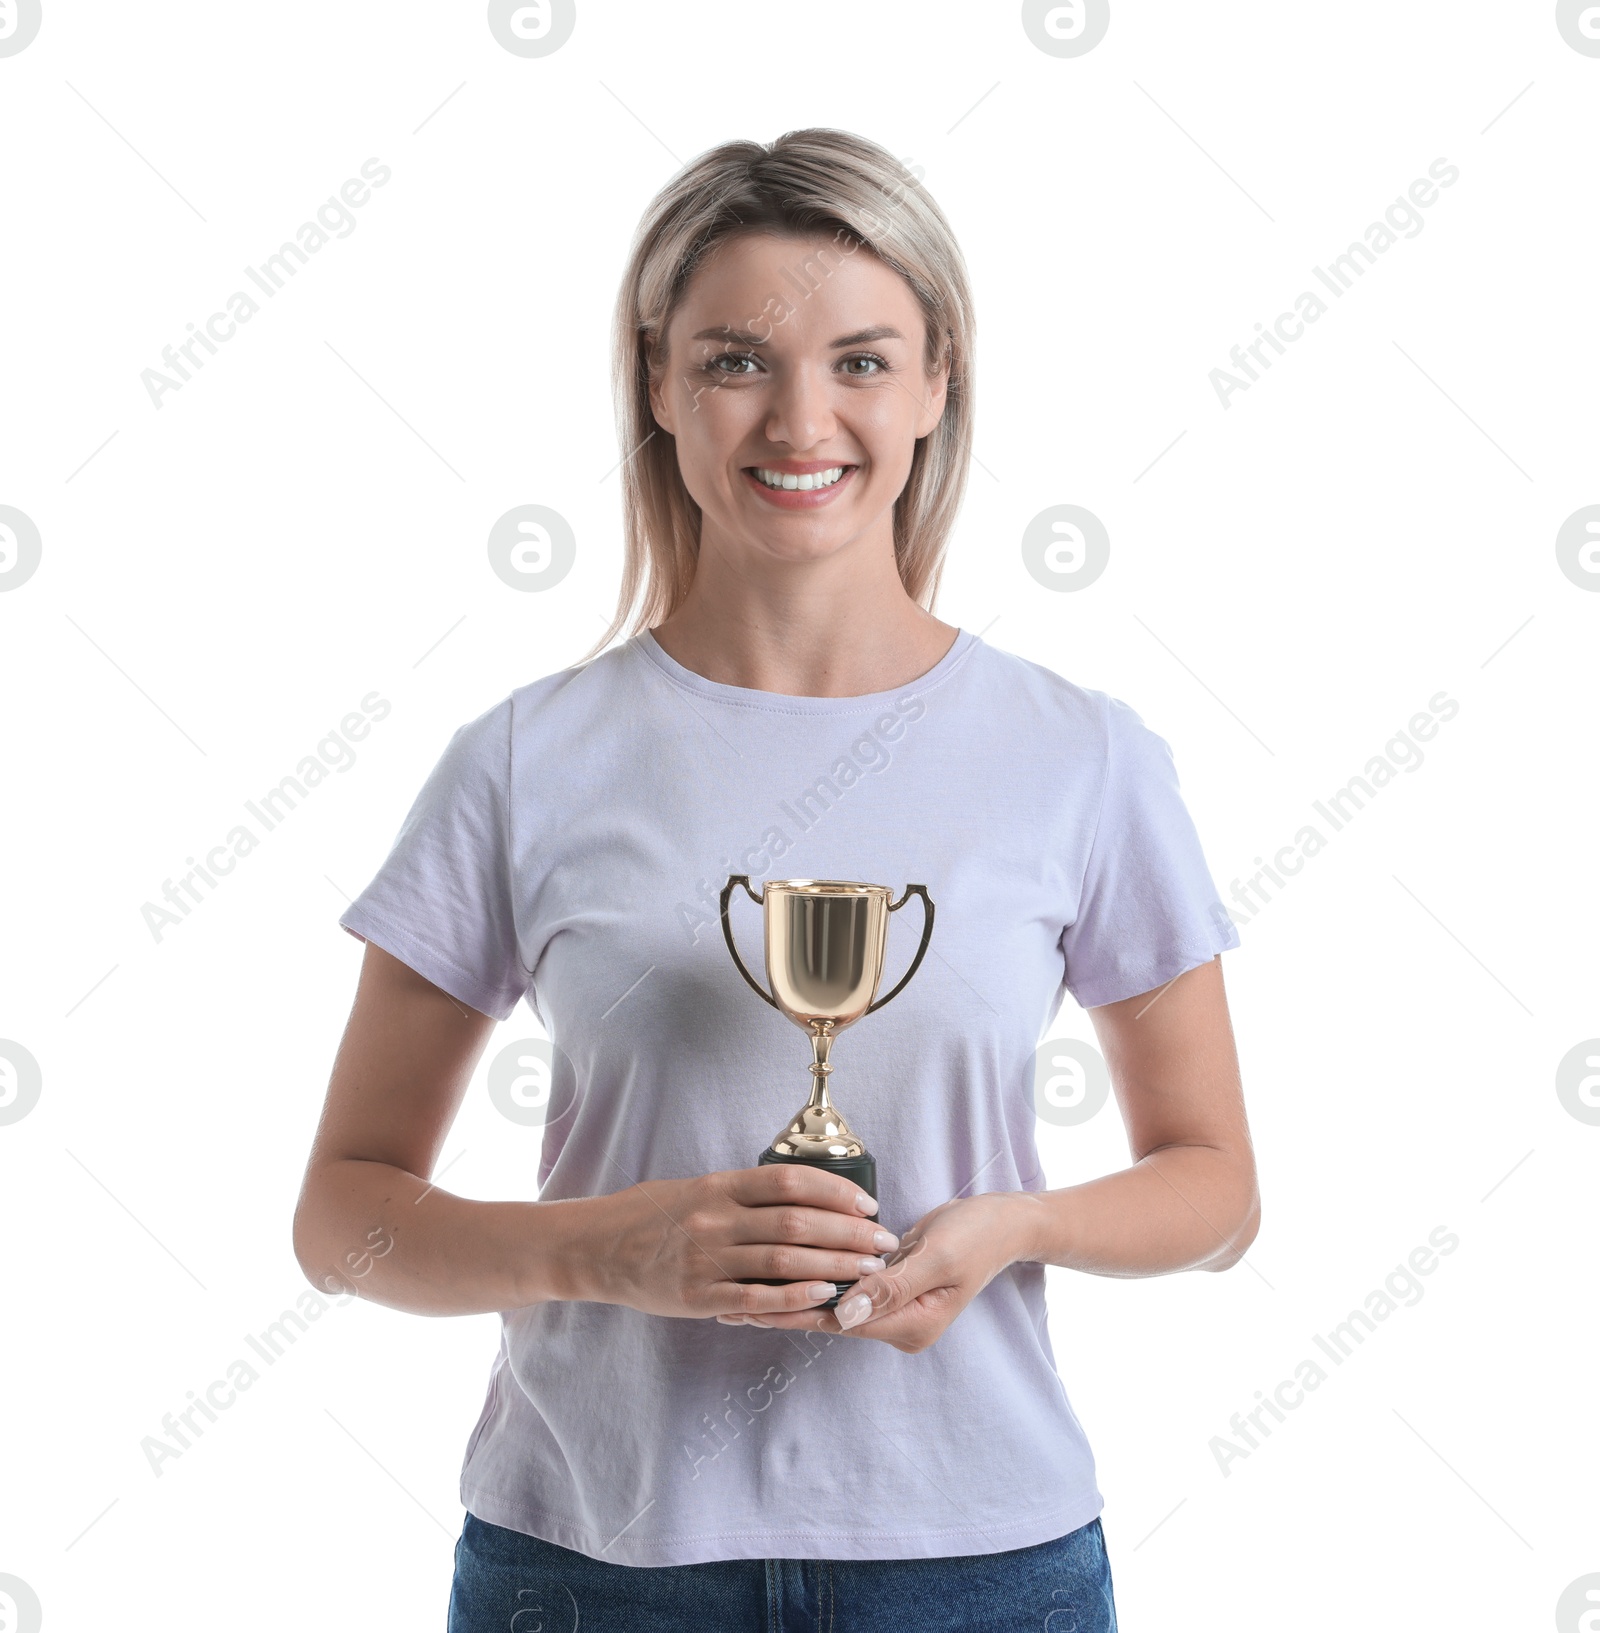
pixel 569 849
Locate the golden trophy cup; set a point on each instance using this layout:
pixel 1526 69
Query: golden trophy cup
pixel 825 941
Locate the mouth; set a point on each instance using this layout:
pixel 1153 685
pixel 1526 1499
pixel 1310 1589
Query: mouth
pixel 798 489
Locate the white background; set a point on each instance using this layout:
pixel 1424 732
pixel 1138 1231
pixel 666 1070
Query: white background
pixel 303 523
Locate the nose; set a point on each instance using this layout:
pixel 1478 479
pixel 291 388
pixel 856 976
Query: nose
pixel 801 414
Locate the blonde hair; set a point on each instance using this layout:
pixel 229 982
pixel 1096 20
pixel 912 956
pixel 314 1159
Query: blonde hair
pixel 806 182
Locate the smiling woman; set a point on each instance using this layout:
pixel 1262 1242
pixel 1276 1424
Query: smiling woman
pixel 679 1432
pixel 794 278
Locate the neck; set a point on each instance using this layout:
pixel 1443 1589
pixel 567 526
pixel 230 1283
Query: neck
pixel 839 627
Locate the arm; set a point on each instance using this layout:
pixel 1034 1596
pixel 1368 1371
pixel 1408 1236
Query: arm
pixel 1190 1201
pixel 368 1221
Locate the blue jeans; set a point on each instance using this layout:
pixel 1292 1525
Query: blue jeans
pixel 508 1582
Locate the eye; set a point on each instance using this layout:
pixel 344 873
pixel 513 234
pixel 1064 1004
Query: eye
pixel 713 366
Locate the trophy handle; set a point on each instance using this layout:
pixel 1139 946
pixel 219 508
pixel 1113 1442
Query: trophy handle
pixel 727 931
pixel 927 933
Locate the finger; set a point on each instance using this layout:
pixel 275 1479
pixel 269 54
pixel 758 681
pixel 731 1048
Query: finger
pixel 907 1325
pixel 914 1326
pixel 753 1298
pixel 814 1320
pixel 769 1261
pixel 796 1183
pixel 811 1227
pixel 909 1272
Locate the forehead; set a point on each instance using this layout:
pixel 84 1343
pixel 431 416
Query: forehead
pixel 815 286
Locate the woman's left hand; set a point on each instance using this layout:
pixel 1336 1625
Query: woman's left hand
pixel 943 1262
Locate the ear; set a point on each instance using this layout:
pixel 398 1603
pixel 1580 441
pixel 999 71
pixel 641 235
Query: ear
pixel 660 406
pixel 937 389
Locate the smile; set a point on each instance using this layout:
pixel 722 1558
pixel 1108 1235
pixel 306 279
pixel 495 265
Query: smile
pixel 791 483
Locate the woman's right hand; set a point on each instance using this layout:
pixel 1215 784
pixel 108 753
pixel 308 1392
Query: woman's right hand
pixel 694 1247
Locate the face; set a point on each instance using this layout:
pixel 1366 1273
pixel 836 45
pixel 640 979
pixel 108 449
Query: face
pixel 796 392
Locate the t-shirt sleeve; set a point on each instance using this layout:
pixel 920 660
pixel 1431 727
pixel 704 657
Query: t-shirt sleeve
pixel 442 900
pixel 1148 909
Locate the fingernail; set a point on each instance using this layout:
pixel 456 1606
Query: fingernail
pixel 854 1310
pixel 756 1321
pixel 867 1204
pixel 867 1266
pixel 885 1240
pixel 820 1289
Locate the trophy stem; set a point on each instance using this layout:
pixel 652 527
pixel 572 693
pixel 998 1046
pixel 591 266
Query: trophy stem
pixel 821 1042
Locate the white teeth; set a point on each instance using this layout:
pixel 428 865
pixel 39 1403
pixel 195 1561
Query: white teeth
pixel 781 479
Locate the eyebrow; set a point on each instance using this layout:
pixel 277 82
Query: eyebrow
pixel 861 337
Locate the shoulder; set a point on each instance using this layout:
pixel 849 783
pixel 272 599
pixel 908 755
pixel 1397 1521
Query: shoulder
pixel 540 712
pixel 1098 717
pixel 579 687
pixel 1085 723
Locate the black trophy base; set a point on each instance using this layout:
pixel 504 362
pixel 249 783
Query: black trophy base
pixel 862 1170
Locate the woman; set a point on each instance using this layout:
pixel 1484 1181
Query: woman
pixel 678 1431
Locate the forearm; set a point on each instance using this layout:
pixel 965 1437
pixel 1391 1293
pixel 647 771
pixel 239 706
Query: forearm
pixel 1182 1207
pixel 378 1231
